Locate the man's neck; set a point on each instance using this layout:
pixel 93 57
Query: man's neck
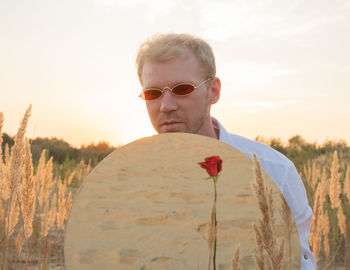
pixel 216 127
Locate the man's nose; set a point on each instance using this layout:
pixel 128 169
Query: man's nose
pixel 168 102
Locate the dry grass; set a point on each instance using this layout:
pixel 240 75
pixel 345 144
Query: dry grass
pixel 347 183
pixel 288 222
pixel 330 228
pixel 316 229
pixel 270 252
pixel 334 185
pixel 35 207
pixel 235 261
pixel 28 205
pixel 27 192
pixel 325 233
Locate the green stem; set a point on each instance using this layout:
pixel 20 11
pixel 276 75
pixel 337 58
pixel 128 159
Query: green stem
pixel 215 223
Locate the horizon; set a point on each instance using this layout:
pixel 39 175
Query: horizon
pixel 259 137
pixel 284 66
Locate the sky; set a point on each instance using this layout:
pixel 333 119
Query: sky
pixel 284 65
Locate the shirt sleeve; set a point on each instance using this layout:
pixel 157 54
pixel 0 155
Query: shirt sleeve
pixel 295 195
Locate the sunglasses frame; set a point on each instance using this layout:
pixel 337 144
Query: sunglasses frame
pixel 172 88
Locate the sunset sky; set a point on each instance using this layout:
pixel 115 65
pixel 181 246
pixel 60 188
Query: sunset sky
pixel 284 65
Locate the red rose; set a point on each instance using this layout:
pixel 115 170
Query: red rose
pixel 212 164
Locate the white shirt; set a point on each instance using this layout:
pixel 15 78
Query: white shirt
pixel 283 172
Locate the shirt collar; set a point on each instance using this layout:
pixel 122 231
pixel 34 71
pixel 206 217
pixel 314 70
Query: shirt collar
pixel 223 134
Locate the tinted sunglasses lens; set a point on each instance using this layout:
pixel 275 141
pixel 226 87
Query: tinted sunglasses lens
pixel 151 94
pixel 183 89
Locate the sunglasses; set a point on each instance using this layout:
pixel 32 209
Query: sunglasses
pixel 181 89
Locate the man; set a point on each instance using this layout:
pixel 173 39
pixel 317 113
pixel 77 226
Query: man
pixel 178 76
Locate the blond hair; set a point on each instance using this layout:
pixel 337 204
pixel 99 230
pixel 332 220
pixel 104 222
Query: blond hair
pixel 165 47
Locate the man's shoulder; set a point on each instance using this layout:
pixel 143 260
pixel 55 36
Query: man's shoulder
pixel 263 151
pixel 271 160
pixel 274 163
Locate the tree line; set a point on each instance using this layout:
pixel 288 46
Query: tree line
pixel 296 149
pixel 62 152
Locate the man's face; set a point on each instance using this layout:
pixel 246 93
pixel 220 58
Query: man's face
pixel 170 113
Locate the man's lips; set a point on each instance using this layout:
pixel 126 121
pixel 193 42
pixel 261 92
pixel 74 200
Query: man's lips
pixel 167 123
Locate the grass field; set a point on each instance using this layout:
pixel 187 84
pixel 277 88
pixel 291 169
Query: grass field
pixel 35 203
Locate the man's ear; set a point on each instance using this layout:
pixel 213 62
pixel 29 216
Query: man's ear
pixel 214 91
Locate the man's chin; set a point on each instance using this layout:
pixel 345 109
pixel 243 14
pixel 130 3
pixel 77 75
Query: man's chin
pixel 171 130
pixel 177 127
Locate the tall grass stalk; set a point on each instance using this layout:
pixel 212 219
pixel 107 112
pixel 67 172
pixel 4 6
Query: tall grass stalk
pixel 287 219
pixel 12 181
pixel 235 261
pixel 270 252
